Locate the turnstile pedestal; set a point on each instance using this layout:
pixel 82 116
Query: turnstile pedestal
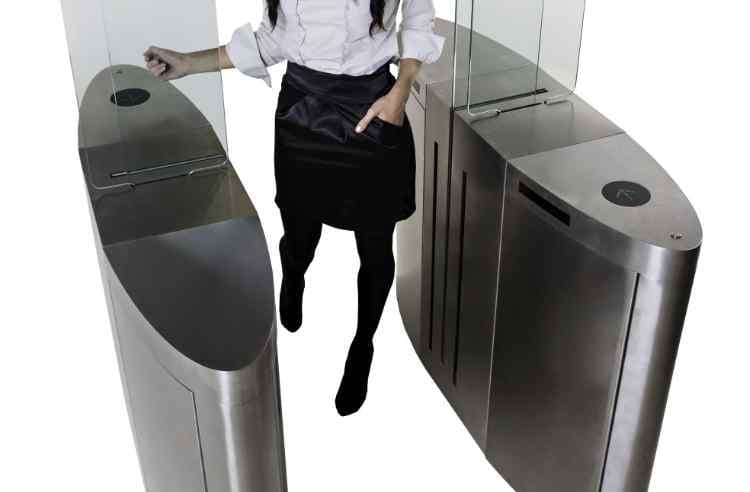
pixel 190 293
pixel 555 260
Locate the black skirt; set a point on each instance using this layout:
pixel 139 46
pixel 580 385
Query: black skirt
pixel 327 171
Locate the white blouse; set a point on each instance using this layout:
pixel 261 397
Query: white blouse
pixel 334 36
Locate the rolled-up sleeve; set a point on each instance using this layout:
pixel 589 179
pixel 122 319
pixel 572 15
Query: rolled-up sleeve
pixel 252 51
pixel 416 36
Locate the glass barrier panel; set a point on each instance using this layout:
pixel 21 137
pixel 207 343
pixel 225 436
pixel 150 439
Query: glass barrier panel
pixel 87 42
pixel 461 44
pixel 560 46
pixel 503 50
pixel 135 128
pixel 87 48
pixel 513 53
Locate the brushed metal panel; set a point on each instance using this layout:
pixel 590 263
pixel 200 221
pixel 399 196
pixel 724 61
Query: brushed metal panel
pixel 243 448
pixel 542 128
pixel 211 302
pixel 161 207
pixel 562 321
pixel 437 204
pixel 658 315
pixel 190 294
pixel 639 238
pixel 163 416
pixel 409 267
pixel 577 393
pixel 238 413
pixel 478 180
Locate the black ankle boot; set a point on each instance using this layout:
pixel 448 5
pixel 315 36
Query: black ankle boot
pixel 290 303
pixel 353 389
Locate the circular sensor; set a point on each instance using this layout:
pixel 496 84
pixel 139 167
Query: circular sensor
pixel 130 97
pixel 626 193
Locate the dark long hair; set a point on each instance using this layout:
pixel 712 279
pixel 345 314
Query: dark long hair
pixel 377 7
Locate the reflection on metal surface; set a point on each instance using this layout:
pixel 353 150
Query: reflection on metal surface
pixel 190 293
pixel 550 305
pixel 182 252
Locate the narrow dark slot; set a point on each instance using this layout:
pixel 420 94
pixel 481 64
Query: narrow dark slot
pixel 619 380
pixel 508 98
pixel 521 107
pixel 434 227
pixel 544 204
pixel 446 261
pixel 173 176
pixel 460 278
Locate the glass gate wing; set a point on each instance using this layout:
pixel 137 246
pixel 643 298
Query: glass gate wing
pixel 515 53
pixel 126 140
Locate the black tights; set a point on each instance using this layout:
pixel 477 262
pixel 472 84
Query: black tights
pixel 375 248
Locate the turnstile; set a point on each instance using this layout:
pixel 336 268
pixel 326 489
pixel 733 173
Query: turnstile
pixel 184 260
pixel 544 279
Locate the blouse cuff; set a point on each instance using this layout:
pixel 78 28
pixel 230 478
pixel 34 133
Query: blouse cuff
pixel 244 54
pixel 424 46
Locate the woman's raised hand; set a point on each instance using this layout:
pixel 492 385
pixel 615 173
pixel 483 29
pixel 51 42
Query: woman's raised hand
pixel 167 64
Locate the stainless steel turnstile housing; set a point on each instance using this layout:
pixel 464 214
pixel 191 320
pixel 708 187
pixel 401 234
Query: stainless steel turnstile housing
pixel 183 256
pixel 545 300
pixel 189 288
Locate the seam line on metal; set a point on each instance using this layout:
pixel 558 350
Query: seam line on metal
pixel 619 381
pixel 200 443
pixel 503 204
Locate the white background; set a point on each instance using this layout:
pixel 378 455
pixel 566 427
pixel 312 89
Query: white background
pixel 671 73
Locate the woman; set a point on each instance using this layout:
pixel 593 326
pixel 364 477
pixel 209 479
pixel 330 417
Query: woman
pixel 344 153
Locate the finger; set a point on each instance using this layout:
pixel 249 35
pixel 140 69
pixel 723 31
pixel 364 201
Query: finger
pixel 158 70
pixel 364 122
pixel 166 75
pixel 154 62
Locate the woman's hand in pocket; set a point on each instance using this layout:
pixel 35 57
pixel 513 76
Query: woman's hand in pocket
pixel 389 108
